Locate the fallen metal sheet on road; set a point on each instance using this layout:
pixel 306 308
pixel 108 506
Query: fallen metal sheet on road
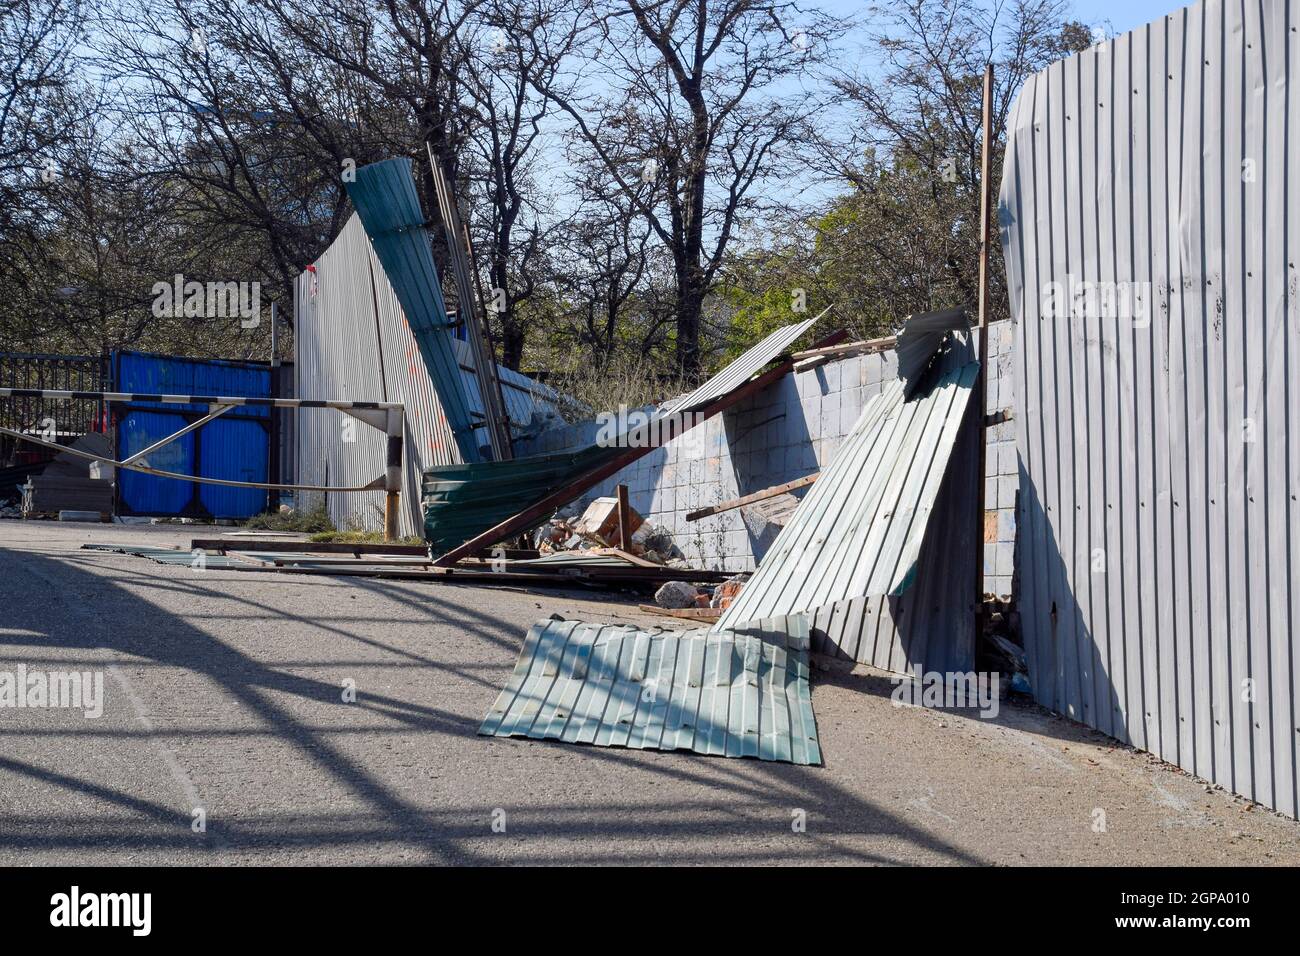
pixel 582 569
pixel 735 693
pixel 859 529
pixel 175 556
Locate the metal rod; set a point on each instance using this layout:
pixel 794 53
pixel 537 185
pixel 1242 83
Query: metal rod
pixel 192 426
pixel 468 311
pixel 273 436
pixel 981 388
pixel 376 485
pixel 190 399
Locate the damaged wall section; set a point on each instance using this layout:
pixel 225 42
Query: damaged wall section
pixel 791 430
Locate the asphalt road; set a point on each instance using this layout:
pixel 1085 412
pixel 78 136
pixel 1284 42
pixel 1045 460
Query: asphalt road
pixel 224 691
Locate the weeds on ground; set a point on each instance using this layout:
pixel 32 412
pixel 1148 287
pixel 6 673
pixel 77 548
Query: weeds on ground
pixel 312 521
pixel 359 537
pixel 624 380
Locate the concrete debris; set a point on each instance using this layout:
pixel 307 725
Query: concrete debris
pixel 600 522
pixel 726 592
pixel 677 594
pixel 50 494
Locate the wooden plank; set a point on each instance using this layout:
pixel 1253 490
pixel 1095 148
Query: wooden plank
pixel 319 547
pixel 750 499
pixel 541 509
pixel 813 358
pixel 624 519
pixel 686 613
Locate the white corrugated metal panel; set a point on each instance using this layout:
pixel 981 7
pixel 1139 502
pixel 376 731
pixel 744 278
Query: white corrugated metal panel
pixel 741 370
pixel 346 315
pixel 930 627
pixel 530 405
pixel 1159 526
pixel 334 323
pixel 859 529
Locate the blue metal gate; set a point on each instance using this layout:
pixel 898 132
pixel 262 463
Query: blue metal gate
pixel 234 446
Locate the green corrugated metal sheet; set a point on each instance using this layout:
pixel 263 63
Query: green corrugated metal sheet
pixel 386 202
pixel 461 501
pixel 211 562
pixel 738 693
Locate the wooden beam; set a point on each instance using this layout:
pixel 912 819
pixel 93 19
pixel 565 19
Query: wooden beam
pixel 624 519
pixel 756 496
pixel 686 613
pixel 814 358
pixel 548 505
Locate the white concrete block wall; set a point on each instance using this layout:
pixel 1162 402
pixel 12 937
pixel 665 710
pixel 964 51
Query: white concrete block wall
pixel 1002 468
pixel 789 431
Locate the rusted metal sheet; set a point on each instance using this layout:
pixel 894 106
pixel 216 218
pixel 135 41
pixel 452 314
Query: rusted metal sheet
pixel 735 693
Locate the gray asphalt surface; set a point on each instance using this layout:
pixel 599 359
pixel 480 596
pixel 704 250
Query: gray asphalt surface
pixel 224 691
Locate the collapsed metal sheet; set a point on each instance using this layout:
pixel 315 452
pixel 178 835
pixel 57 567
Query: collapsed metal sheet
pixel 741 370
pixel 859 529
pixel 735 693
pixel 386 202
pixel 464 501
pixel 205 561
pixel 920 338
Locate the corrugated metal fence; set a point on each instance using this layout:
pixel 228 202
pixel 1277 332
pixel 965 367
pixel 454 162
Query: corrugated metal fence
pixel 352 341
pixel 1150 210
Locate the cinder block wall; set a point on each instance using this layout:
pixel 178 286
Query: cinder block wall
pixel 789 431
pixel 1002 471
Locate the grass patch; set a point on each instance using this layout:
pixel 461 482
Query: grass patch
pixel 313 521
pixel 359 537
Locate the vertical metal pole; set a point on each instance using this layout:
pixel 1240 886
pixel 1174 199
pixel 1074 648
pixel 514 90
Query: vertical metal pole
pixel 273 451
pixel 624 520
pixel 981 391
pixel 469 311
pixel 396 429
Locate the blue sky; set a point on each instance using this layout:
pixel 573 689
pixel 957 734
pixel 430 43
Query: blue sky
pixel 1119 15
pixel 1126 15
